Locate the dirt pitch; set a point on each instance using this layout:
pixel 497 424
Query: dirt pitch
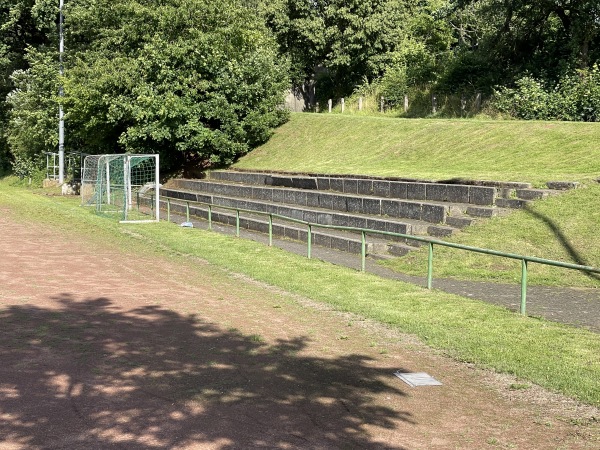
pixel 101 349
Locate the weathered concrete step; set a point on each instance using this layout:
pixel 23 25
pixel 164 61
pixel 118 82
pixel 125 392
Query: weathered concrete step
pixel 321 216
pixel 482 211
pixel 512 203
pixel 460 221
pixel 534 194
pixel 562 185
pixel 406 190
pixel 335 239
pixel 434 213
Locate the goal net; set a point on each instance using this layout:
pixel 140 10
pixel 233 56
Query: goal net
pixel 123 186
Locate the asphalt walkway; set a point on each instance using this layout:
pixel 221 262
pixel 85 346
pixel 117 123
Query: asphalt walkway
pixel 574 306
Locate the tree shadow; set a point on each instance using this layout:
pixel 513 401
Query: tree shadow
pixel 88 374
pixel 575 256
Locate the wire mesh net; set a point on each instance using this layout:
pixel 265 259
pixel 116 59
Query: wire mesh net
pixel 121 185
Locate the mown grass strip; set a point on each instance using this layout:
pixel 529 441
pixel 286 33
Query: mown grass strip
pixel 438 149
pixel 562 228
pixel 561 358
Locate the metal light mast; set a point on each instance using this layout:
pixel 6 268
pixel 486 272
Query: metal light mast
pixel 61 122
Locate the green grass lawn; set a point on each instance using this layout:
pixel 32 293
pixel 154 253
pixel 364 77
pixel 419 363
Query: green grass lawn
pixel 432 149
pixel 561 358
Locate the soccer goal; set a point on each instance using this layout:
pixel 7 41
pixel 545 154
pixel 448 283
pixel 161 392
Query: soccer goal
pixel 125 186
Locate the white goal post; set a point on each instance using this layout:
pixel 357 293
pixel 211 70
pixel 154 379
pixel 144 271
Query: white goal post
pixel 124 185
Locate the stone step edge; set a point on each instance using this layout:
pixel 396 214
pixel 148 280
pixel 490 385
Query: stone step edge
pixel 506 188
pixel 320 237
pixel 451 181
pixel 428 211
pixel 435 192
pixel 401 190
pixel 423 228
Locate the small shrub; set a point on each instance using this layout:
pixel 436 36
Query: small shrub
pixel 576 97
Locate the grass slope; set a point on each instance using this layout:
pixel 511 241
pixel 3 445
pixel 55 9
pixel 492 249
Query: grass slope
pixel 561 358
pixel 562 228
pixel 536 152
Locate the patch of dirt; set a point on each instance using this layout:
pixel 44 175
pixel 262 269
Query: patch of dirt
pixel 100 349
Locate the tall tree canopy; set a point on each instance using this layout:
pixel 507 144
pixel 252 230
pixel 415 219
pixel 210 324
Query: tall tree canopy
pixel 204 80
pixel 189 78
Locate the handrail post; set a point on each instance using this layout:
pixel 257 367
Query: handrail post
pixel 210 217
pixel 168 209
pixel 137 197
pixel 523 309
pixel 309 241
pixel 237 223
pixel 270 229
pixel 430 266
pixel 363 250
pixel 187 211
pixel 151 204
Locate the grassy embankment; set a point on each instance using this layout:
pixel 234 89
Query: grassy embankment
pixel 563 228
pixel 561 358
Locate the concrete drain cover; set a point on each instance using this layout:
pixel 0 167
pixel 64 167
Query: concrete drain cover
pixel 417 379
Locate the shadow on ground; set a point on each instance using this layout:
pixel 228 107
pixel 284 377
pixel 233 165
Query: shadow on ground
pixel 576 256
pixel 89 375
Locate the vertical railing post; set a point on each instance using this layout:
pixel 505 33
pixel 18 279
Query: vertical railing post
pixel 270 229
pixel 137 198
pixel 168 209
pixel 237 222
pixel 523 309
pixel 363 250
pixel 187 211
pixel 151 205
pixel 210 217
pixel 430 266
pixel 309 241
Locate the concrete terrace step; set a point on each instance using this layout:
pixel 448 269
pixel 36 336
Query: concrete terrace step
pixel 335 239
pixel 482 193
pixel 385 188
pixel 432 212
pixel 317 215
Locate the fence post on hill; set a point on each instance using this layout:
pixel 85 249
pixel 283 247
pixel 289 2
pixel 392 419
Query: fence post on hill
pixel 329 104
pixel 406 103
pixel 523 307
pixel 430 266
pixel 382 104
pixel 433 103
pixel 343 103
pixel 478 102
pixel 463 104
pixel 360 103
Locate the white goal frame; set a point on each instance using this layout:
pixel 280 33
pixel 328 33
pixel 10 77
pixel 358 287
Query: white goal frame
pixel 111 182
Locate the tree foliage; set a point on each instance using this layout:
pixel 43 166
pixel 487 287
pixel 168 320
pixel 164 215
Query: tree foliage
pixel 204 81
pixel 346 41
pixel 191 79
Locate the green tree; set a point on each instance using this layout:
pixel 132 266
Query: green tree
pixel 346 41
pixel 546 38
pixel 192 79
pixel 24 24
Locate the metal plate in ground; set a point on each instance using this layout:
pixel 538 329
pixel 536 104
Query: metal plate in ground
pixel 417 379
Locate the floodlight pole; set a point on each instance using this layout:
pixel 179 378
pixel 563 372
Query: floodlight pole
pixel 61 121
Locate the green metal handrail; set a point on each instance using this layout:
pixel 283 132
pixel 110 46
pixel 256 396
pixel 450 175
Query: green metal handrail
pixel 363 232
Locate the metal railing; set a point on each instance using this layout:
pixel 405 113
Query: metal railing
pixel 364 231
